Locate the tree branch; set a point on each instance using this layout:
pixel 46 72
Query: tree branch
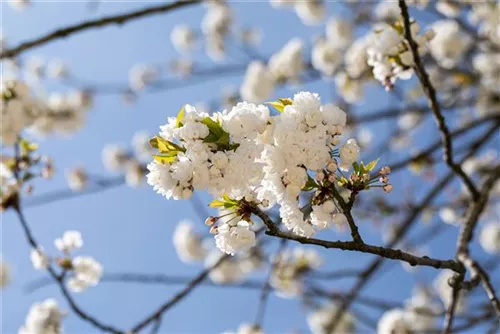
pixel 388 253
pixel 431 95
pixel 115 19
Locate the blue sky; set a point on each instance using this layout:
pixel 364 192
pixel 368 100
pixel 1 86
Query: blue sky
pixel 130 230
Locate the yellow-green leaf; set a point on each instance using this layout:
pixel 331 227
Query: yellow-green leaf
pixel 371 165
pixel 27 147
pixel 164 159
pixel 180 117
pixel 277 105
pixel 216 204
pixel 286 102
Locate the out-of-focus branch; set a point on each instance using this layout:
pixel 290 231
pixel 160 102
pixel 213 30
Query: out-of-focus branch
pixel 59 280
pixel 463 255
pixel 264 295
pixel 403 229
pixel 105 21
pixel 150 279
pixel 436 109
pixel 190 286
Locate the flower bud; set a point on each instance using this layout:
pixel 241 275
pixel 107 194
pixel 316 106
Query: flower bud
pixel 332 166
pixel 214 230
pixel 210 220
pixel 387 188
pixel 386 170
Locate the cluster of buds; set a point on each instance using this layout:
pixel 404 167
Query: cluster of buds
pixel 359 179
pixel 232 211
pixel 17 170
pixel 384 179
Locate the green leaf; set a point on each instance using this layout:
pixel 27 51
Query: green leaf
pixel 213 126
pixel 355 166
pixel 180 118
pixel 165 159
pixel 229 199
pixel 216 204
pixel 281 104
pixel 310 184
pixel 154 142
pixel 286 102
pixel 371 165
pixel 362 169
pixel 165 146
pixel 343 181
pixel 27 147
pixel 226 203
pixel 217 135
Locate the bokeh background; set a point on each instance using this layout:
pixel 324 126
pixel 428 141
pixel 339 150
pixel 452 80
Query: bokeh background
pixel 130 230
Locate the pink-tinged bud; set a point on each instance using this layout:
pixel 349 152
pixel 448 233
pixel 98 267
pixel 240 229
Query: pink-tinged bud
pixel 331 178
pixel 354 177
pixel 320 176
pixel 210 221
pixel 387 188
pixel 214 230
pixel 385 170
pixel 332 166
pixel 384 179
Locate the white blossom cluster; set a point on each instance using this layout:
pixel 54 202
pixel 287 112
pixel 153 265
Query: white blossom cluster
pixel 419 314
pixel 191 247
pixel 19 5
pixel 142 75
pixel 389 54
pixel 216 25
pixel 327 53
pixel 5 276
pixel 444 291
pixel 85 271
pixel 489 237
pixel 188 243
pixel 245 153
pixel 285 65
pixel 43 318
pixel 117 158
pixel 320 318
pixel 310 12
pixel 487 65
pixel 246 328
pixel 449 44
pixel 60 114
pixel 291 266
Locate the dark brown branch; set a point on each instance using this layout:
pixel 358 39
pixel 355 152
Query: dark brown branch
pixel 455 295
pixel 430 92
pixel 388 253
pixel 465 237
pixel 105 21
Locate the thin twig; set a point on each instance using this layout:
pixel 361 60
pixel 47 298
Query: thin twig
pixel 115 19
